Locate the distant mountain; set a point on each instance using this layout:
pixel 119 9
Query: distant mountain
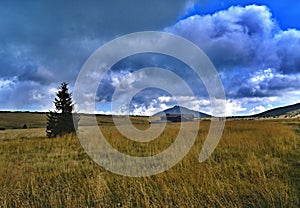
pixel 290 111
pixel 182 110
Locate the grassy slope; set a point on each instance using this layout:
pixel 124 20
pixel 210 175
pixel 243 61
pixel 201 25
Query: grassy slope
pixel 255 165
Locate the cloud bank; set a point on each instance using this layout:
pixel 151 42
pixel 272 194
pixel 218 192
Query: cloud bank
pixel 43 44
pixel 255 58
pixel 258 62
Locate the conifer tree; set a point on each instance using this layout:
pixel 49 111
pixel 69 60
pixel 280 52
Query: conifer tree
pixel 61 121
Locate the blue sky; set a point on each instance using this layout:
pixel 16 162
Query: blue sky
pixel 254 45
pixel 286 13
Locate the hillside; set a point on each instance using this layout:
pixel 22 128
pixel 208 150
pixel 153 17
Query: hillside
pixel 290 111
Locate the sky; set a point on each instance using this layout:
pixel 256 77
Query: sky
pixel 254 46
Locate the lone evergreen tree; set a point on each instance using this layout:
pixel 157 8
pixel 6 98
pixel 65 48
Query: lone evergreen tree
pixel 60 121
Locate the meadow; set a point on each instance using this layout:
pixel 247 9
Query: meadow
pixel 256 164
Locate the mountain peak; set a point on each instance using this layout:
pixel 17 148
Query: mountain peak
pixel 182 110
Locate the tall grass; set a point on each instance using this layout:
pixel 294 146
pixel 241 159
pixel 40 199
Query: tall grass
pixel 253 166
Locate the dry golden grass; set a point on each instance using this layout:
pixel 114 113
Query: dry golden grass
pixel 22 133
pixel 255 165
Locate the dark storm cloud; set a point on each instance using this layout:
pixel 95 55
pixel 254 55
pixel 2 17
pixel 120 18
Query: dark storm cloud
pixel 264 83
pixel 284 82
pixel 288 46
pixel 61 35
pixel 47 42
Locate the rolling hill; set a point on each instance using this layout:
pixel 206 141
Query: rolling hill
pixel 290 111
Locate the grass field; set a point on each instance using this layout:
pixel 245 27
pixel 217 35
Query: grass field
pixel 16 120
pixel 256 164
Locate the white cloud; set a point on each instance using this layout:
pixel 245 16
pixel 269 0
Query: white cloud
pixel 257 109
pixel 7 83
pixel 262 75
pixel 233 107
pixel 243 37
